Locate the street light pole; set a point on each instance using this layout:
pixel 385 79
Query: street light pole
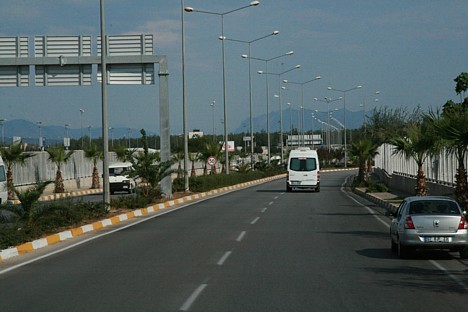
pixel 302 100
pixel 3 131
pixel 213 119
pixel 189 9
pixel 280 104
pixel 328 101
pixel 274 33
pixel 268 93
pixel 344 115
pixel 81 122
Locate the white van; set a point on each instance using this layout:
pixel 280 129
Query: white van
pixel 3 183
pixel 303 170
pixel 119 181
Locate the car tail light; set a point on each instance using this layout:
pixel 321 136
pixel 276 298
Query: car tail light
pixel 463 224
pixel 409 223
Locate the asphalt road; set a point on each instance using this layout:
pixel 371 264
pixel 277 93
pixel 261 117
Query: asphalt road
pixel 258 249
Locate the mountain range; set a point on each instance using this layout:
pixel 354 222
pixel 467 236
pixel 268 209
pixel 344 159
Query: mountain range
pixel 28 130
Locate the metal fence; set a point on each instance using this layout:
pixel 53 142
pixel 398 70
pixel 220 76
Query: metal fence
pixel 440 169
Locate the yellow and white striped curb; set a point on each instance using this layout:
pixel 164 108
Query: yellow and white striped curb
pixel 62 195
pixel 62 236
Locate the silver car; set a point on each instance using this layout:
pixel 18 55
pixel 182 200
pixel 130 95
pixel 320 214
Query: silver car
pixel 429 222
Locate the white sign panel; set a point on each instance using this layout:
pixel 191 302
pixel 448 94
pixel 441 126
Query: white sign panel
pixel 231 146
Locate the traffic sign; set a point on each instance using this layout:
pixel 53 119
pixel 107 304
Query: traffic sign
pixel 212 161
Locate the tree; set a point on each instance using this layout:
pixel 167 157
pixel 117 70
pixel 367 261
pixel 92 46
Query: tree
pixel 59 156
pixel 210 148
pixel 13 155
pixel 462 84
pixel 94 154
pixel 193 157
pixel 420 142
pixel 452 126
pixel 364 151
pixel 28 211
pixel 178 157
pixel 148 166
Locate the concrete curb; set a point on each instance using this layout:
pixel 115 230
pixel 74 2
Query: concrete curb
pixel 379 199
pixel 62 195
pixel 62 236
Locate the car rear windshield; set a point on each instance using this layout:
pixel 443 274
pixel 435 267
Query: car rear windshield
pixel 434 207
pixel 303 164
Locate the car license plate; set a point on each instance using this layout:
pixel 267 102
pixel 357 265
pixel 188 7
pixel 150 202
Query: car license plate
pixel 295 182
pixel 437 239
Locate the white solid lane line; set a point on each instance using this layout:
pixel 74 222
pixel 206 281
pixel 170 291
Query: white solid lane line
pixel 186 306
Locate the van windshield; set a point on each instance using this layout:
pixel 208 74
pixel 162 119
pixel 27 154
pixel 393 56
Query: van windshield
pixel 2 174
pixel 118 171
pixel 303 164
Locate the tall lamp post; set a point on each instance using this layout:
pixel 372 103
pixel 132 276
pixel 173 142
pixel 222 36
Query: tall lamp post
pixel 302 99
pixel 267 92
pixel 344 119
pixel 328 101
pixel 3 130
pixel 213 119
pixel 81 123
pixel 250 89
pixel 280 103
pixel 189 9
pixel 39 125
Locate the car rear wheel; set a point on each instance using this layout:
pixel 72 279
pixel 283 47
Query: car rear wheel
pixel 393 246
pixel 403 251
pixel 464 253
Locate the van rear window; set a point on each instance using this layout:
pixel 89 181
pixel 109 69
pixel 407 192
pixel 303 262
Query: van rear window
pixel 303 164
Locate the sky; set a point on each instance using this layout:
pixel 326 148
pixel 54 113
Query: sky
pixel 409 51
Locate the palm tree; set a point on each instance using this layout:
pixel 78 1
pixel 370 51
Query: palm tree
pixel 209 149
pixel 13 155
pixel 95 154
pixel 59 156
pixel 452 126
pixel 419 143
pixel 28 211
pixel 364 151
pixel 193 157
pixel 178 157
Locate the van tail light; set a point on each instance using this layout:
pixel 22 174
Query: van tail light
pixel 409 223
pixel 318 175
pixel 463 224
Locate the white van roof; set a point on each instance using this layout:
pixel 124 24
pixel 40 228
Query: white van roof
pixel 120 165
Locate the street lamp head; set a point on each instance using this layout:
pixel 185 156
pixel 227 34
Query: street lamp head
pixel 315 99
pixel 244 56
pixel 290 53
pixel 260 72
pixel 276 32
pixel 329 88
pixel 358 87
pixel 318 77
pixel 188 9
pixel 285 80
pixel 377 92
pixel 222 37
pixel 81 110
pixel 297 66
pixel 254 3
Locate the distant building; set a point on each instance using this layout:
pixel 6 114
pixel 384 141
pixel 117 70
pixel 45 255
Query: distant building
pixel 196 133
